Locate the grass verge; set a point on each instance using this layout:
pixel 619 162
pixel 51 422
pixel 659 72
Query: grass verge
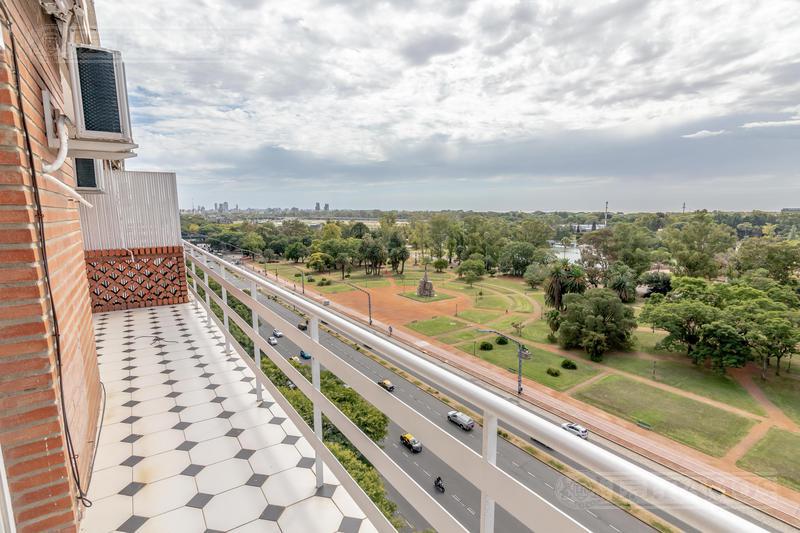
pixel 423 299
pixel 775 457
pixel 698 425
pixel 436 325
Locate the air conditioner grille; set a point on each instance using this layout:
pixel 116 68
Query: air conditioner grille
pixel 85 171
pixel 99 90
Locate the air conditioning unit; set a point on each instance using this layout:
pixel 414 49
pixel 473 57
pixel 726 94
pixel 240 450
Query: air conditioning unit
pixel 101 125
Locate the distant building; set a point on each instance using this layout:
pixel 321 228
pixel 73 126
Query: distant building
pixel 327 207
pixel 316 208
pixel 790 210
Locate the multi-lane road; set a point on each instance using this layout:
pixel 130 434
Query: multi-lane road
pixel 462 498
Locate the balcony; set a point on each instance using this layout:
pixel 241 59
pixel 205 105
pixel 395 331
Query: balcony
pixel 186 446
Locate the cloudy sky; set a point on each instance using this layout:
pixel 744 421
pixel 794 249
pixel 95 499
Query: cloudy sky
pixel 485 105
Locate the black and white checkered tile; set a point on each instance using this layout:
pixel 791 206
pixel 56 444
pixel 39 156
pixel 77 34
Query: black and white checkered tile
pixel 185 446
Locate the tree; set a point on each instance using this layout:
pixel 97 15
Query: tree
pixel 373 254
pixel 695 244
pixel 622 279
pixel 331 230
pixel 660 257
pixel 682 320
pixel 564 278
pixel 516 256
pixel 656 282
pixel 779 258
pixel 775 336
pixel 473 267
pixel 535 275
pixel 471 277
pixel 359 230
pixel 439 228
pixel 319 261
pixel 440 265
pixel 253 243
pixel 596 321
pixel 341 251
pixel 723 345
pixel 534 231
pixel 296 252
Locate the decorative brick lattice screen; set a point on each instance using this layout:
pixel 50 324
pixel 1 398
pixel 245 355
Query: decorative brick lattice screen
pixel 153 276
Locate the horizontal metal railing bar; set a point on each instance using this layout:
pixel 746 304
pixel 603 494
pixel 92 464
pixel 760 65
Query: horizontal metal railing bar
pixel 436 515
pixel 360 497
pixel 526 505
pixel 683 504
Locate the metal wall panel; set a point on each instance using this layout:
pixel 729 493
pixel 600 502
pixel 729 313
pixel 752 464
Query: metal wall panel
pixel 135 210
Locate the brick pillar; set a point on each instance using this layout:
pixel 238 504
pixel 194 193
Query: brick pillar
pixel 32 424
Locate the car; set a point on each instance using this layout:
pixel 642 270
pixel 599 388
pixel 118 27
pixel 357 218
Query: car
pixel 302 326
pixel 410 441
pixel 386 384
pixel 461 420
pixel 277 333
pixel 294 359
pixel 305 355
pixel 576 429
pixel 272 341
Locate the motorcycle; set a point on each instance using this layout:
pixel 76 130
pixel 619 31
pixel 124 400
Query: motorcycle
pixel 439 485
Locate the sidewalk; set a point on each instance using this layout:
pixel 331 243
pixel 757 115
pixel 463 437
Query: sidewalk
pixel 762 494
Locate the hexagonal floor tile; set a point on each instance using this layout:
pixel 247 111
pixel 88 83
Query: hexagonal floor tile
pixel 235 508
pixel 224 476
pixel 215 450
pixel 163 496
pixel 274 459
pixel 313 514
pixel 290 486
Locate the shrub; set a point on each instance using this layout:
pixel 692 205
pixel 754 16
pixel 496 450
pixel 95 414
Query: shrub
pixel 486 346
pixel 324 279
pixel 347 275
pixel 310 279
pixel 569 364
pixel 553 372
pixel 297 274
pixel 502 341
pixel 551 337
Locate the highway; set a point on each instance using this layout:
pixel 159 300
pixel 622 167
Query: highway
pixel 462 498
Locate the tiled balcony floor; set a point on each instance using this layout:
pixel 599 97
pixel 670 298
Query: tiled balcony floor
pixel 184 446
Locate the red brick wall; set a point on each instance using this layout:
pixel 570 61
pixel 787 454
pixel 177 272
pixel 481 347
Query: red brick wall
pixel 153 276
pixel 31 422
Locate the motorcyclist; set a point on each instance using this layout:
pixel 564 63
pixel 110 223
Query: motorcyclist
pixel 439 483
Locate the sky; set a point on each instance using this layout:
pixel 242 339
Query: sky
pixel 459 104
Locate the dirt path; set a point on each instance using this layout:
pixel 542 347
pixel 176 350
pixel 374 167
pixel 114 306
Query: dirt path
pixel 775 415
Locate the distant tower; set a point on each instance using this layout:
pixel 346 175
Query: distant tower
pixel 684 207
pixel 606 219
pixel 316 208
pixel 327 207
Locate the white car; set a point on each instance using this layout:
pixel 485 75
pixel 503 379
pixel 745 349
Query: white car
pixel 277 333
pixel 576 429
pixel 272 341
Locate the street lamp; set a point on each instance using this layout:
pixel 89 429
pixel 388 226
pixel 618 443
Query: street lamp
pixel 522 353
pixel 302 276
pixel 369 299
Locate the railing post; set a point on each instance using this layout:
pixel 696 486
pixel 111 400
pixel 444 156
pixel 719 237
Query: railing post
pixel 207 289
pixel 225 311
pixel 315 381
pixel 490 456
pixel 256 349
pixel 194 276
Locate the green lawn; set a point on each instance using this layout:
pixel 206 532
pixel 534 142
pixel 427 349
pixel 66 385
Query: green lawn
pixel 437 325
pixel 479 316
pixel 520 303
pixel 536 331
pixel 539 297
pixel 437 298
pixel 512 284
pixel 505 356
pixel 775 457
pixel 460 336
pixel 705 428
pixel 646 341
pixel 460 286
pixel 784 392
pixel 504 322
pixel 689 378
pixel 493 301
pixel 370 282
pixel 332 289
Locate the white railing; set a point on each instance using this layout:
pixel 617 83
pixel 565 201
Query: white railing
pixel 495 485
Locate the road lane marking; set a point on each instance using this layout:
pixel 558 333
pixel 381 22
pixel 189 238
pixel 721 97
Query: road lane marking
pixel 549 485
pixel 515 463
pixel 615 529
pixel 426 472
pixel 471 511
pixel 529 473
pixel 591 513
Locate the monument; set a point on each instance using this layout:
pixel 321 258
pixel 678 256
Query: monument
pixel 425 288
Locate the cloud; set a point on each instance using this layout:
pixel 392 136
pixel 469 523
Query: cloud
pixel 702 134
pixel 354 98
pixel 420 49
pixel 772 123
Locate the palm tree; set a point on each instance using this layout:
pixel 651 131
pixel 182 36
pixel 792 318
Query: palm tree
pixel 564 278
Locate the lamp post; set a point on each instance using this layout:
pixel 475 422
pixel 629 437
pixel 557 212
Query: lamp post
pixel 369 299
pixel 302 276
pixel 522 353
